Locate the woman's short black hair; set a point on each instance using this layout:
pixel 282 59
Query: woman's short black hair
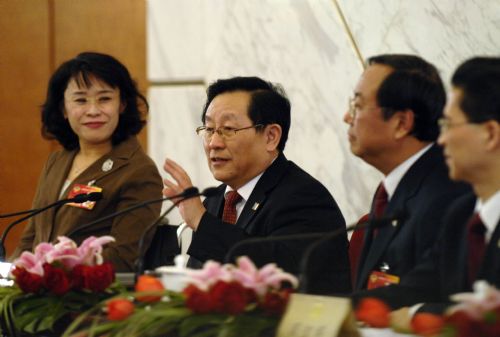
pixel 104 68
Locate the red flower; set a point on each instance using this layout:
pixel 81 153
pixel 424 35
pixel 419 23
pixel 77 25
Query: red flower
pixel 148 283
pixel 274 303
pixel 78 277
pixel 428 325
pixel 28 282
pixel 97 278
pixel 198 301
pixel 119 309
pixel 55 280
pixel 465 326
pixel 228 298
pixel 373 312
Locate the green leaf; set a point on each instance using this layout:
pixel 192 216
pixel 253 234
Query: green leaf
pixel 193 323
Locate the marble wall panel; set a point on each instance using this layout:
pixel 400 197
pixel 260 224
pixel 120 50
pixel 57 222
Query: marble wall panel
pixel 445 32
pixel 175 114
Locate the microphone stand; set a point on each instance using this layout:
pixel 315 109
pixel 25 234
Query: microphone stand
pixel 322 236
pixel 79 199
pixel 140 260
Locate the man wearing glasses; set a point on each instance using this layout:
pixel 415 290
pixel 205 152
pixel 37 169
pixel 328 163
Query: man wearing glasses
pixel 469 247
pixel 245 128
pixel 393 126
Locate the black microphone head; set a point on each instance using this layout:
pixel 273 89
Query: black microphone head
pixel 190 192
pixel 209 191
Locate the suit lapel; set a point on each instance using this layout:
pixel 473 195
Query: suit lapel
pixel 118 157
pixel 54 182
pixel 266 183
pixel 490 268
pixel 407 188
pixel 215 204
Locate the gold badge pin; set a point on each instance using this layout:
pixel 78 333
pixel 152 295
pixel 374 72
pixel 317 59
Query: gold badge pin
pixel 255 206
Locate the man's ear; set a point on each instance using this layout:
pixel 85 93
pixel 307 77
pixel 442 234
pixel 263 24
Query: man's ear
pixel 404 123
pixel 273 136
pixel 492 135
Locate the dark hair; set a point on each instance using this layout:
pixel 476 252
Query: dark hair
pixel 268 102
pixel 107 69
pixel 479 80
pixel 414 84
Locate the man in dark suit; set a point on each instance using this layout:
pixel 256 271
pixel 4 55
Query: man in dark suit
pixel 469 247
pixel 245 128
pixel 393 127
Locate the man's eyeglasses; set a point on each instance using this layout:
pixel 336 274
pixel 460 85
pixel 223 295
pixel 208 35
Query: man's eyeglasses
pixel 225 132
pixel 445 124
pixel 352 109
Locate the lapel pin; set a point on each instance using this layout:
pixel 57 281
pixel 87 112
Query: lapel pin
pixel 498 244
pixel 107 165
pixel 255 206
pixel 394 223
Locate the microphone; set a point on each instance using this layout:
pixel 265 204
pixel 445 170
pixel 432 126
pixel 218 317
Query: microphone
pixel 79 198
pixel 207 192
pixel 187 193
pixel 93 196
pixel 320 237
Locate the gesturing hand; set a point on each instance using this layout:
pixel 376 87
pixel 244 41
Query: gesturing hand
pixel 191 209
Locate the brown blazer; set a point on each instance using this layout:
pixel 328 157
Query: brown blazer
pixel 132 179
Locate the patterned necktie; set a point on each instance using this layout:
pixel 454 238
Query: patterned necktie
pixel 229 215
pixel 477 246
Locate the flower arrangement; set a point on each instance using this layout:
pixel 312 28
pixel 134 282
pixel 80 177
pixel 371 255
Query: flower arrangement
pixel 219 300
pixel 475 314
pixel 55 281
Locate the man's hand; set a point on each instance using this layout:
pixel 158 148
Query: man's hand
pixel 191 209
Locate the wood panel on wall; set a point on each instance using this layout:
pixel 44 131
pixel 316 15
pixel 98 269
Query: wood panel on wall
pixel 24 70
pixel 36 36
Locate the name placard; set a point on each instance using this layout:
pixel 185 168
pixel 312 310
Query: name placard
pixel 318 316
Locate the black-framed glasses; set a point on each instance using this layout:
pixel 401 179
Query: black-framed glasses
pixel 225 132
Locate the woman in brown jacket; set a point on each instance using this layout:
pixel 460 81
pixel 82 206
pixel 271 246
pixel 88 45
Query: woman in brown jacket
pixel 94 110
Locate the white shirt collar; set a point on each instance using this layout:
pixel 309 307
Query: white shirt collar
pixel 489 212
pixel 391 181
pixel 246 189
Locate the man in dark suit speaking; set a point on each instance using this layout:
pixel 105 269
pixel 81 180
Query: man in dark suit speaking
pixel 393 126
pixel 245 128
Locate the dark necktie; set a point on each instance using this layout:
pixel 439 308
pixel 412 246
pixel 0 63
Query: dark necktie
pixel 229 215
pixel 477 246
pixel 380 202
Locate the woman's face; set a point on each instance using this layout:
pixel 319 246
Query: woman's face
pixel 92 112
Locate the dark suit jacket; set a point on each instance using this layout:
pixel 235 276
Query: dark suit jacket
pixel 444 271
pixel 423 193
pixel 132 179
pixel 286 200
